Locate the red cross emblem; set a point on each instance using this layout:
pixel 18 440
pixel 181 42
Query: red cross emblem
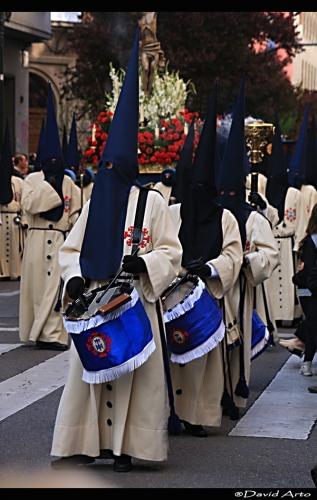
pixel 67 202
pixel 247 246
pixel 290 214
pixel 128 237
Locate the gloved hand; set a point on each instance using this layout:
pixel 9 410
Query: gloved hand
pixel 200 268
pixel 75 287
pixel 52 180
pixel 257 199
pixel 133 264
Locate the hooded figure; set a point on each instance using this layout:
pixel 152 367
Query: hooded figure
pixel 311 157
pixel 277 184
pixel 128 415
pixel 296 173
pixel 199 213
pixel 40 149
pixel 261 254
pixel 11 233
pixel 53 162
pixel 211 249
pixel 72 156
pixel 51 202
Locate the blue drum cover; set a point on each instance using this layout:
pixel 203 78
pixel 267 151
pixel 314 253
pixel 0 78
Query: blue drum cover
pixel 260 336
pixel 115 347
pixel 196 327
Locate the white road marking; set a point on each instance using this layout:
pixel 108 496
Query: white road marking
pixel 285 409
pixel 8 347
pixel 24 389
pixel 16 329
pixel 9 294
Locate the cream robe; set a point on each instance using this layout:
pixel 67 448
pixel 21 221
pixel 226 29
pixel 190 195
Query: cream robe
pixel 262 181
pixel 165 190
pixel 264 258
pixel 309 194
pixel 12 236
pixel 288 234
pixel 40 280
pixel 139 411
pixel 201 381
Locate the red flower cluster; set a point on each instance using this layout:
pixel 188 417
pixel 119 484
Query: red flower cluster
pixel 162 150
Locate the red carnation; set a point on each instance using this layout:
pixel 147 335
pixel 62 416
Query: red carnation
pixel 104 136
pixel 149 151
pixel 141 161
pixel 91 125
pixel 150 142
pixel 170 131
pixel 104 119
pixel 153 159
pixel 169 137
pixel 109 113
pixel 168 160
pixel 89 140
pixel 175 136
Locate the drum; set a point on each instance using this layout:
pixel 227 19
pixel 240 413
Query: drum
pixel 112 341
pixel 260 336
pixel 193 321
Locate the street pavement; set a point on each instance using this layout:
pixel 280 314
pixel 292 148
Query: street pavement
pixel 235 456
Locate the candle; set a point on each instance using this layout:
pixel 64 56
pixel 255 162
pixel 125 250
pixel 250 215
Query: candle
pixel 157 132
pixel 142 115
pixel 93 134
pixel 178 84
pixel 186 128
pixel 116 84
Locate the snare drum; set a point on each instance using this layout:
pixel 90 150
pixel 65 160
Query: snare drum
pixel 193 321
pixel 260 336
pixel 112 344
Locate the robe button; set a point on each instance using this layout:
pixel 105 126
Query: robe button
pixel 181 364
pixel 109 404
pixel 109 422
pixel 49 242
pixel 49 257
pixel 50 226
pixel 179 391
pixel 109 387
pixel 49 273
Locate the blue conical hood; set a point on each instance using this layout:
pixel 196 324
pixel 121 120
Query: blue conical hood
pixel 231 177
pixel 64 143
pixel 296 174
pixel 72 158
pixel 109 199
pixel 40 149
pixel 184 165
pixel 6 168
pixel 311 157
pixel 277 183
pixel 52 143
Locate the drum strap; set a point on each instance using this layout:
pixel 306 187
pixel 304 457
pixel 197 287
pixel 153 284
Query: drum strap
pixel 137 234
pixel 269 323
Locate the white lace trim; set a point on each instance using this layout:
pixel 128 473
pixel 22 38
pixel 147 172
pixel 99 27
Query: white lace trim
pixel 85 324
pixel 185 305
pixel 202 349
pixel 258 347
pixel 118 371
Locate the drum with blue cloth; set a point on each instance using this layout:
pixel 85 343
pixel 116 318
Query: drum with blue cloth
pixel 193 321
pixel 112 334
pixel 260 336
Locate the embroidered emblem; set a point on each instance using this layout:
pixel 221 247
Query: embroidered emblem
pixel 145 238
pixel 17 197
pixel 247 246
pixel 67 202
pixel 290 214
pixel 308 209
pixel 179 337
pixel 99 344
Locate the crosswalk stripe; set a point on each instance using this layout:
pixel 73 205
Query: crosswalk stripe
pixel 284 410
pixel 8 347
pixel 16 329
pixel 9 294
pixel 24 389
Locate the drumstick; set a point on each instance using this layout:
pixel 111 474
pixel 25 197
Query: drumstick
pixel 178 283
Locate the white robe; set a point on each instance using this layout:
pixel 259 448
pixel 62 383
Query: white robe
pixel 136 422
pixel 288 234
pixel 309 194
pixel 165 190
pixel 12 236
pixel 201 381
pixel 264 258
pixel 40 279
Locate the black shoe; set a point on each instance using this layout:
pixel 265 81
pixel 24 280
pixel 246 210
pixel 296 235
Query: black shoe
pixel 195 430
pixel 312 389
pixel 51 346
pixel 293 350
pixel 313 474
pixel 71 462
pixel 122 463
